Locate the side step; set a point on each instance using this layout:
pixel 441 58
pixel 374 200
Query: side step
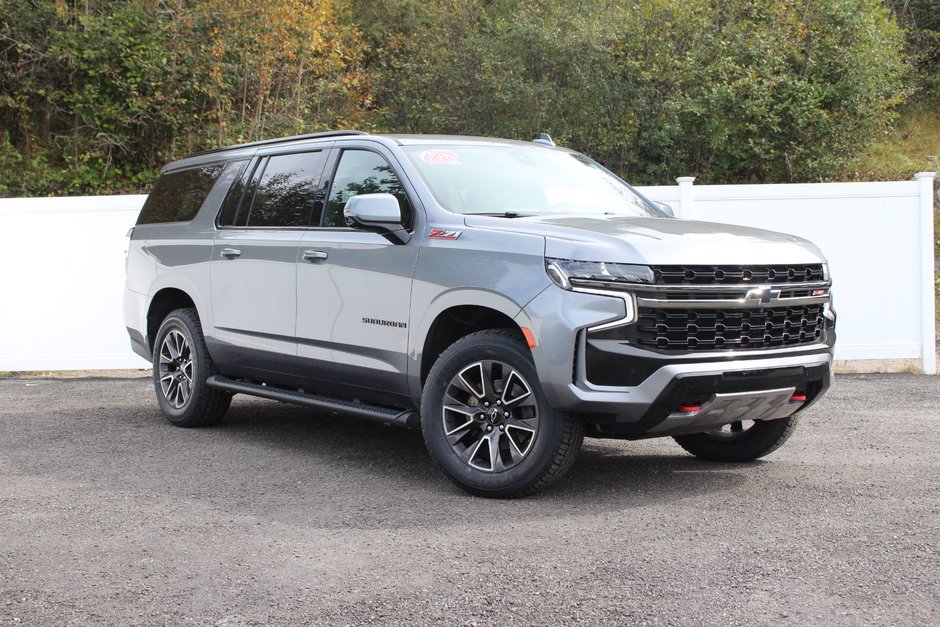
pixel 400 418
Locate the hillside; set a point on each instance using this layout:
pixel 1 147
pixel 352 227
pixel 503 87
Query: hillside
pixel 913 146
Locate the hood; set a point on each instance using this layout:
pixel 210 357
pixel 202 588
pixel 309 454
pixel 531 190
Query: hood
pixel 658 241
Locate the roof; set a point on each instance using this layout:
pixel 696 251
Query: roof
pixel 246 150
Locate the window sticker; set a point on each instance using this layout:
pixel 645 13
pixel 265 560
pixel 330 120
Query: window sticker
pixel 440 157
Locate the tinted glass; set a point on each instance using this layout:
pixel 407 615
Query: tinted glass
pixel 286 191
pixel 523 180
pixel 363 172
pixel 229 214
pixel 178 195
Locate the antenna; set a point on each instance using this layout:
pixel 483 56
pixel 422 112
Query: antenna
pixel 544 138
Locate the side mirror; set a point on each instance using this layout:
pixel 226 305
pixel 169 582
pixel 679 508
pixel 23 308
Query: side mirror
pixel 379 213
pixel 667 209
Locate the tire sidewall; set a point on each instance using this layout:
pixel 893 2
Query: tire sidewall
pixel 547 439
pixel 762 439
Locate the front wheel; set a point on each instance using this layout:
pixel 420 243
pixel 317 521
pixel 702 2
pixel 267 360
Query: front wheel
pixel 181 365
pixel 487 423
pixel 741 441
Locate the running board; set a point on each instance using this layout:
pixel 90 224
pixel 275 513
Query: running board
pixel 400 418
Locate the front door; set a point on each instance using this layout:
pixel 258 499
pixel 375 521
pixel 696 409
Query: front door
pixel 354 287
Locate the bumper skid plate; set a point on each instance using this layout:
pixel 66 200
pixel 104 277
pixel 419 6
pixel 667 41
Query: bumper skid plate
pixel 722 409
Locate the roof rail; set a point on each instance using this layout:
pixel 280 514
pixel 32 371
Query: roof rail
pixel 279 140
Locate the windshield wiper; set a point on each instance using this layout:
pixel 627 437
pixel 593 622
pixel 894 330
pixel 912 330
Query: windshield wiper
pixel 505 214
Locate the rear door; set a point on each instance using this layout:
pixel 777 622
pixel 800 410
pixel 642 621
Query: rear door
pixel 354 287
pixel 254 259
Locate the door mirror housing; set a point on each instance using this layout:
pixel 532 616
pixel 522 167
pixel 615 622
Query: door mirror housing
pixel 379 213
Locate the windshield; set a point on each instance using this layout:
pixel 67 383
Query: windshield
pixel 522 180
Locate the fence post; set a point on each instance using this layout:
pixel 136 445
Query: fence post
pixel 928 304
pixel 686 197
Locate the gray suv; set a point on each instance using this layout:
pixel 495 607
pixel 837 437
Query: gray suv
pixel 507 298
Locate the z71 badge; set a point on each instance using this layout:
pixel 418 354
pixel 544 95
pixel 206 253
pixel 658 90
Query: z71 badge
pixel 442 234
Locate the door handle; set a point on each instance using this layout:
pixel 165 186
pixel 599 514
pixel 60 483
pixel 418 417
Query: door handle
pixel 230 253
pixel 314 255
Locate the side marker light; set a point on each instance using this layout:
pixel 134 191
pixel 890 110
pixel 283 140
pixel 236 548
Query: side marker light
pixel 529 338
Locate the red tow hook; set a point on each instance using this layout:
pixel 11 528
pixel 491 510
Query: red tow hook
pixel 688 408
pixel 798 398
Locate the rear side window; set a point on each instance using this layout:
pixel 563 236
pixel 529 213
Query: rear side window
pixel 286 190
pixel 229 214
pixel 178 195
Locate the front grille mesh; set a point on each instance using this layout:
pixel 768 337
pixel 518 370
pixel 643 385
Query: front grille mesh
pixel 726 275
pixel 716 329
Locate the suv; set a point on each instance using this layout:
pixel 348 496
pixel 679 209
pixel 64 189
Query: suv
pixel 507 298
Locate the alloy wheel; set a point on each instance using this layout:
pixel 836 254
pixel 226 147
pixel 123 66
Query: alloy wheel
pixel 176 369
pixel 490 415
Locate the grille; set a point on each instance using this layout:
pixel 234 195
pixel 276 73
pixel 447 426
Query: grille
pixel 718 275
pixel 716 329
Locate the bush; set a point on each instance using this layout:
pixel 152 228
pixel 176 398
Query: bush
pixel 96 95
pixel 741 90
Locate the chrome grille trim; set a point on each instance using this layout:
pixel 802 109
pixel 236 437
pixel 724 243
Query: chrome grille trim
pixel 728 303
pixel 721 317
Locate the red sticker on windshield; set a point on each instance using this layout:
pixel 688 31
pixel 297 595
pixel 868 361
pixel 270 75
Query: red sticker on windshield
pixel 440 157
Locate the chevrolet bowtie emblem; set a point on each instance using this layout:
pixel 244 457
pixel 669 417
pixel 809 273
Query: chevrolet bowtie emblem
pixel 763 294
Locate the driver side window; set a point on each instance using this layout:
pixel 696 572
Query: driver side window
pixel 363 172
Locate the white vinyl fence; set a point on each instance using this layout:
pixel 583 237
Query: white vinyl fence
pixel 62 282
pixel 62 266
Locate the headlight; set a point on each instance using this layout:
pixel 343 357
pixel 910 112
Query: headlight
pixel 601 279
pixel 567 273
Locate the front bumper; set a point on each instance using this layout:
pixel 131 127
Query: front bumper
pixel 723 384
pixel 653 407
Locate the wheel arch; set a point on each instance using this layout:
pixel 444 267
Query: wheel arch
pixel 163 302
pixel 455 322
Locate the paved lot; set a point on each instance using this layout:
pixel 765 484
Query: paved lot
pixel 110 515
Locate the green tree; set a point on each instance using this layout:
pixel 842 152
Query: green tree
pixel 736 90
pixel 921 21
pixel 99 94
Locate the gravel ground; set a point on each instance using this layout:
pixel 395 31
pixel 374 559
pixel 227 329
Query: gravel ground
pixel 110 515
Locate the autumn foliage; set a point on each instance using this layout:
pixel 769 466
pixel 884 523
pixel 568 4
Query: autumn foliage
pixel 95 95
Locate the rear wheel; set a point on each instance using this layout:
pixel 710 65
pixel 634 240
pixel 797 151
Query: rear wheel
pixel 181 365
pixel 487 423
pixel 741 441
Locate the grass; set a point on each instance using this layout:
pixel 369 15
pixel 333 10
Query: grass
pixel 914 146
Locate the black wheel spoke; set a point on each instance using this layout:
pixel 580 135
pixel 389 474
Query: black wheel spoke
pixel 458 418
pixel 472 379
pixel 515 390
pixel 496 460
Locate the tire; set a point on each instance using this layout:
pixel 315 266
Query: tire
pixel 762 438
pixel 528 445
pixel 181 365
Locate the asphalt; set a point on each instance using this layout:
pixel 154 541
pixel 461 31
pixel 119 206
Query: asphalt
pixel 109 515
